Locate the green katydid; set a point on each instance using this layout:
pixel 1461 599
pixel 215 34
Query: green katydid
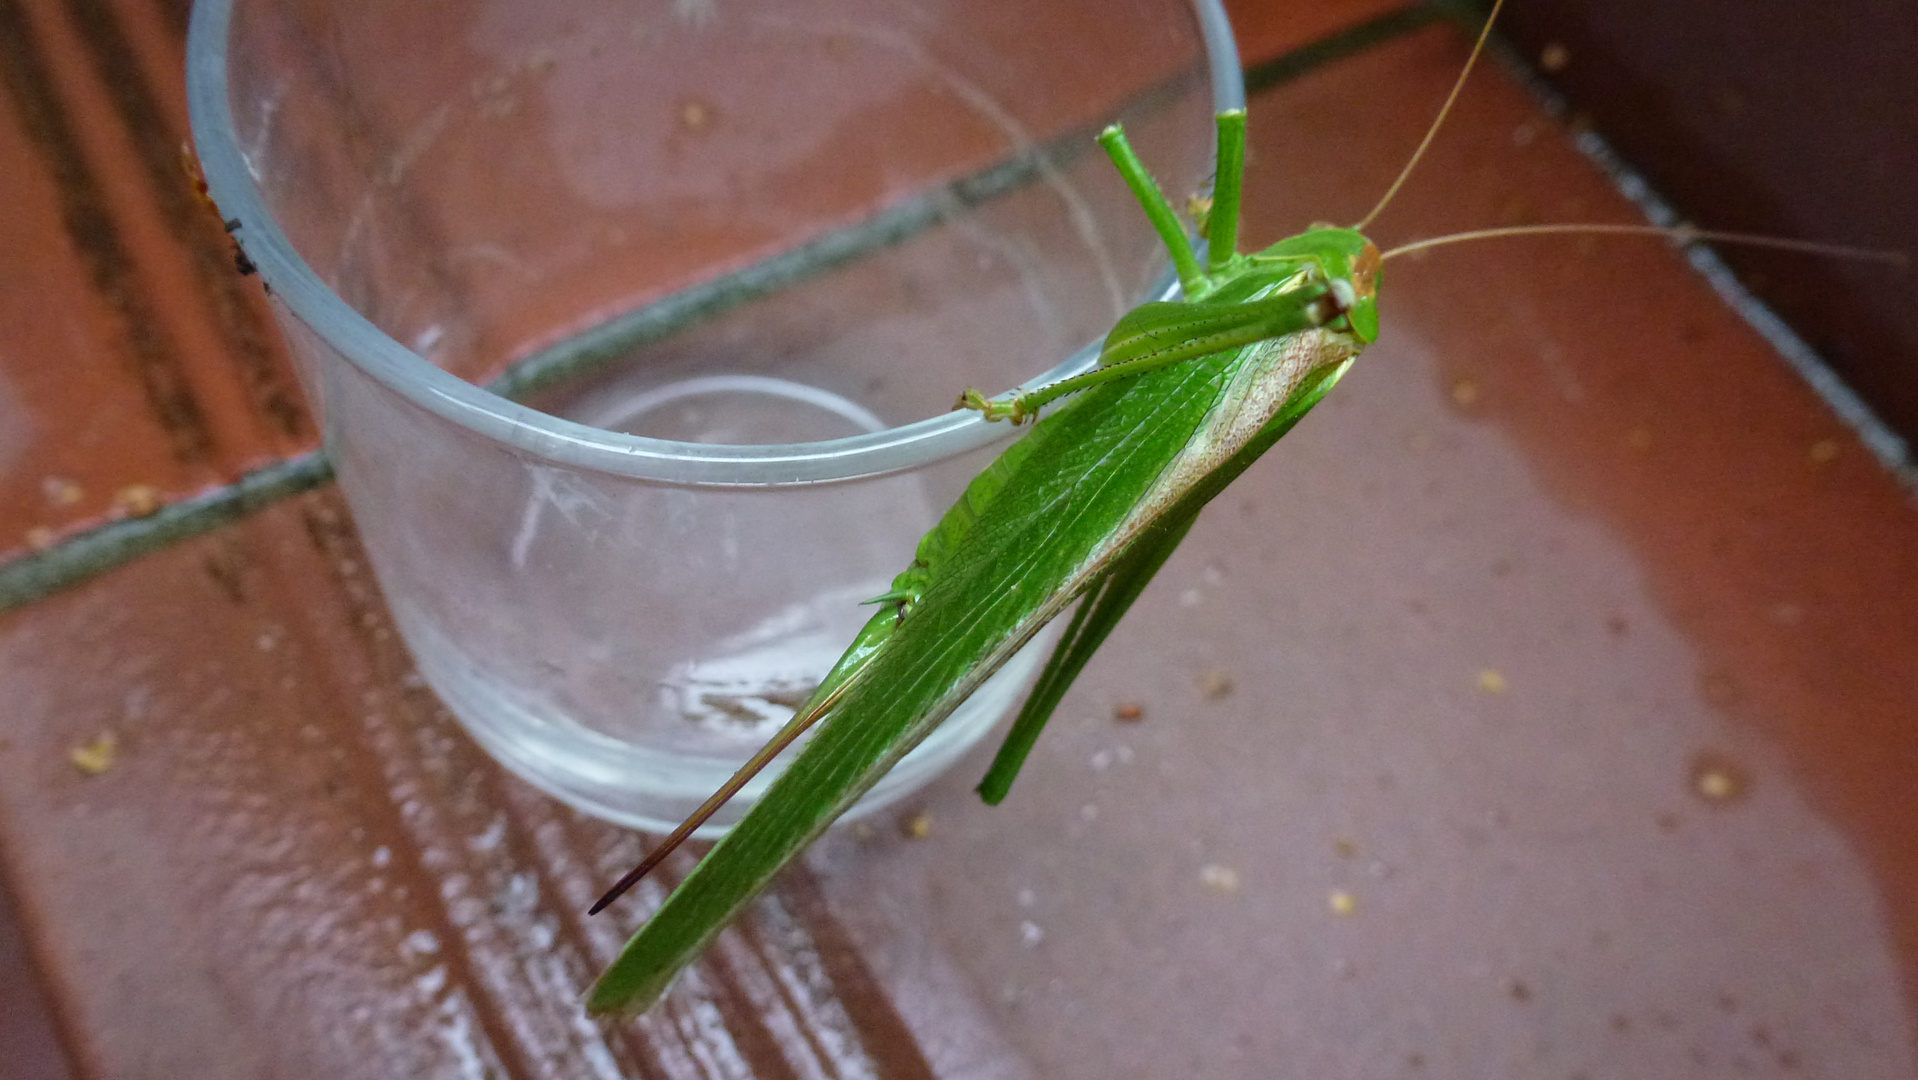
pixel 1088 504
pixel 1086 507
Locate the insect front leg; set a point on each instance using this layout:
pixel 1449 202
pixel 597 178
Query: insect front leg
pixel 904 592
pixel 1159 335
pixel 1014 406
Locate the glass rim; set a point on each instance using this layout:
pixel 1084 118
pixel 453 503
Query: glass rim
pixel 541 436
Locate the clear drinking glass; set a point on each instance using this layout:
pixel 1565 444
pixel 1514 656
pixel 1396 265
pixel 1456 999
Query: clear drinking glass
pixel 634 327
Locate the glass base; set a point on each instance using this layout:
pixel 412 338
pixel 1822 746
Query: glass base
pixel 654 789
pixel 638 715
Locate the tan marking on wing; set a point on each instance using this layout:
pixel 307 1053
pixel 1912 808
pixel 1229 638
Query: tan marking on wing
pixel 1257 392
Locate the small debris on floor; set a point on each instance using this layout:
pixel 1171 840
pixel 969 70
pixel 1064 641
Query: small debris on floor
pixel 1215 683
pixel 1128 712
pixel 1465 393
pixel 96 757
pixel 1031 933
pixel 1491 681
pixel 1345 848
pixel 61 492
pixel 1719 780
pixel 39 538
pixel 916 825
pixel 136 500
pixel 1824 451
pixel 863 831
pixel 1219 879
pixel 1554 57
pixel 1341 902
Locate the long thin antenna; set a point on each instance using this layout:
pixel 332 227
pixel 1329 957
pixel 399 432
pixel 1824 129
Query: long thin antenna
pixel 1444 111
pixel 794 728
pixel 1682 234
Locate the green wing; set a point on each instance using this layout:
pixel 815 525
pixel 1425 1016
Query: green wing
pixel 1105 603
pixel 1109 598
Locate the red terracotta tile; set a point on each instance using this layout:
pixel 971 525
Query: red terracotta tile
pixel 1536 709
pixel 140 367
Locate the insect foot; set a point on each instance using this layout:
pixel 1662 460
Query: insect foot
pixel 1014 409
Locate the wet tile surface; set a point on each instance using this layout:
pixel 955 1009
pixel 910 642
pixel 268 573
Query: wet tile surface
pixel 1538 708
pixel 235 788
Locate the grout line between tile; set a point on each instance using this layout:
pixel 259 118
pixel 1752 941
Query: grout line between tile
pixel 106 546
pixel 1891 449
pixel 30 577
